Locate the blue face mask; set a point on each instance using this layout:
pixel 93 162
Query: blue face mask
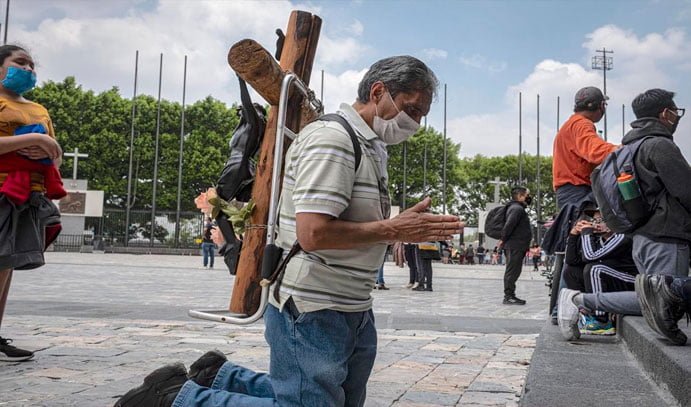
pixel 19 80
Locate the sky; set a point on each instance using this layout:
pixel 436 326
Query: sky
pixel 487 53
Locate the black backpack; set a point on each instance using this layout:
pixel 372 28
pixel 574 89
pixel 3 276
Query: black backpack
pixel 494 223
pixel 620 215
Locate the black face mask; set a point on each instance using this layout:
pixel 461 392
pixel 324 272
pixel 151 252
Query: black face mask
pixel 528 200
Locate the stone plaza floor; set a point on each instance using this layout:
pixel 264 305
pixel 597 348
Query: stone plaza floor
pixel 101 322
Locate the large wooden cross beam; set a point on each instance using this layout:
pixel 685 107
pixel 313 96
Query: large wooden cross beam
pixel 259 69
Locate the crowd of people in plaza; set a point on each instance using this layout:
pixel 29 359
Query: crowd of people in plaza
pixel 319 323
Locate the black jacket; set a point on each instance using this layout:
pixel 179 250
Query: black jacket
pixel 663 176
pixel 516 233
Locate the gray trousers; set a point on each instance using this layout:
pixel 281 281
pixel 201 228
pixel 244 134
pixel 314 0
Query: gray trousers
pixel 651 257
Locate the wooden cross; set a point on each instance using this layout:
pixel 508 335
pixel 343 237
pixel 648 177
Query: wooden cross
pixel 256 66
pixel 497 186
pixel 76 157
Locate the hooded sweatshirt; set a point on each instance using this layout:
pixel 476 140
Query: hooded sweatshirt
pixel 663 174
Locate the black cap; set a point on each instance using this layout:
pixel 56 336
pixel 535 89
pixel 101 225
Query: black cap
pixel 589 98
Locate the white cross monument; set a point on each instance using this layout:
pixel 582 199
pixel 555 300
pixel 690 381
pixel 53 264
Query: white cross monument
pixel 76 157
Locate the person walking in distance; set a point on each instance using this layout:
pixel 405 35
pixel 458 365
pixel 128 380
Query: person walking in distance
pixel 515 239
pixel 208 245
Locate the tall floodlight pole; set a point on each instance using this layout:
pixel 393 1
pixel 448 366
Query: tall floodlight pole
pixel 444 161
pixel 537 236
pixel 182 141
pixel 129 203
pixel 158 131
pixel 604 63
pixel 405 175
pixel 7 20
pixel 520 137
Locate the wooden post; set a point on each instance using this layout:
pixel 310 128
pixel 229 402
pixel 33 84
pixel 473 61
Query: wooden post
pixel 258 68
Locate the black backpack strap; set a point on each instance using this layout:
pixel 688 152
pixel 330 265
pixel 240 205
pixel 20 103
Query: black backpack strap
pixel 335 117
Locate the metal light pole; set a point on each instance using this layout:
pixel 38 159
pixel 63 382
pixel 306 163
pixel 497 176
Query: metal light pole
pixel 405 178
pixel 158 131
pixel 520 138
pixel 539 209
pixel 129 203
pixel 7 20
pixel 182 141
pixel 603 63
pixel 424 172
pixel 444 168
pixel 623 121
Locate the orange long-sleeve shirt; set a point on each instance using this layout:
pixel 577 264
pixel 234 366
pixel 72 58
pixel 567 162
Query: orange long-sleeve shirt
pixel 577 151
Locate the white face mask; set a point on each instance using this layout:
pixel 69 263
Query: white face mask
pixel 395 130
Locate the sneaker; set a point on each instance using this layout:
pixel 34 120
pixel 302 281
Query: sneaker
pixel 513 300
pixel 567 314
pixel 660 306
pixel 159 389
pixel 409 285
pixel 415 285
pixel 203 371
pixel 592 326
pixel 383 286
pixel 9 353
pixel 419 288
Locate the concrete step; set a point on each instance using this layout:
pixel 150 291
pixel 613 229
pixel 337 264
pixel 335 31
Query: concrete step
pixel 592 371
pixel 667 365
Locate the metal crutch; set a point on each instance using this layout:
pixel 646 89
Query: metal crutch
pixel 282 131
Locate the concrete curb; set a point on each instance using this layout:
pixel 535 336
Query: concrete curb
pixel 667 365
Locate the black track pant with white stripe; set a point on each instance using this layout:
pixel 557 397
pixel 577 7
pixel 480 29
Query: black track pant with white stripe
pixel 603 279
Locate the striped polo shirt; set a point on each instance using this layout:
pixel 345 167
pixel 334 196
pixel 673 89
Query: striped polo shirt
pixel 320 177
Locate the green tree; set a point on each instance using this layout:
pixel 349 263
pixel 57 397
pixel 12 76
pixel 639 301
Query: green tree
pixel 100 125
pixel 425 180
pixel 476 191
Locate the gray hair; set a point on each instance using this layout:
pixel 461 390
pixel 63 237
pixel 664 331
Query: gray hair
pixel 400 74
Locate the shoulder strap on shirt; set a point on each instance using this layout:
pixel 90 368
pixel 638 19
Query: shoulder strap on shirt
pixel 334 117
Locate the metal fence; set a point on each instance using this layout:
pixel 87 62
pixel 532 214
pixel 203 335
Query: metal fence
pixel 111 231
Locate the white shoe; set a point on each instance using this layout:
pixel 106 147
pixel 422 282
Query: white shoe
pixel 567 314
pixel 409 285
pixel 415 285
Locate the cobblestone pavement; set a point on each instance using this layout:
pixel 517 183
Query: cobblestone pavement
pixel 101 322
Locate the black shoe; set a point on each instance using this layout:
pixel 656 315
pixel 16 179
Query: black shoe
pixel 429 288
pixel 513 300
pixel 660 306
pixel 203 371
pixel 9 353
pixel 419 288
pixel 159 389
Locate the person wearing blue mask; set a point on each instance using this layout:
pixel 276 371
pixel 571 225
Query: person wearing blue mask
pixel 29 156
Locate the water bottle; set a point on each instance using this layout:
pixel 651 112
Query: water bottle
pixel 627 184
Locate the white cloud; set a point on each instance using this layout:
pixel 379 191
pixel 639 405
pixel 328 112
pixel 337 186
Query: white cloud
pixel 640 63
pixel 98 47
pixel 477 61
pixel 356 28
pixel 434 53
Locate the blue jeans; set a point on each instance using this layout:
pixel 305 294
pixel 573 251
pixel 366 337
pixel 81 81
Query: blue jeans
pixel 208 251
pixel 321 358
pixel 380 275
